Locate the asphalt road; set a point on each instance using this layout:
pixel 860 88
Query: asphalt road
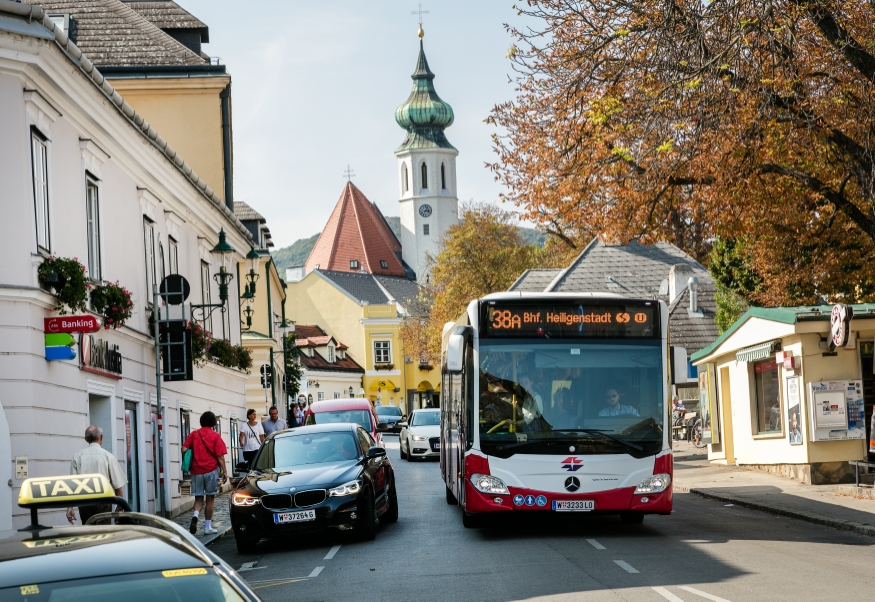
pixel 703 551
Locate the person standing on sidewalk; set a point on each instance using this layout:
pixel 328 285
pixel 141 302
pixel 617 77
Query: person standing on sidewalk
pixel 251 436
pixel 274 423
pixel 299 414
pixel 207 469
pixel 96 460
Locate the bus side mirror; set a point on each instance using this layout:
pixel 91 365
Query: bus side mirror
pixel 456 349
pixel 679 365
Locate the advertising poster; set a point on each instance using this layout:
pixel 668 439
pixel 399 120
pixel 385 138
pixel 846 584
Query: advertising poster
pixel 708 404
pixel 794 411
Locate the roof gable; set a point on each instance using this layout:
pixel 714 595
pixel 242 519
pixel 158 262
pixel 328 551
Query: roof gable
pixel 356 231
pixel 633 270
pixel 112 34
pixel 690 331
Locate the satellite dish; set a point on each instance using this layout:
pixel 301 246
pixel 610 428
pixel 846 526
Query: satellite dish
pixel 174 289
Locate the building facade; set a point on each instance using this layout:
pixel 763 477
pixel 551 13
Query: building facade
pixel 330 372
pixel 83 175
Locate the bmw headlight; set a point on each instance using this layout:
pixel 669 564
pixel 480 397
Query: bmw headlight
pixel 485 483
pixel 419 438
pixel 351 488
pixel 655 484
pixel 243 499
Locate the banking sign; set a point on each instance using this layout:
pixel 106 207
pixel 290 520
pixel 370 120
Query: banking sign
pixel 59 341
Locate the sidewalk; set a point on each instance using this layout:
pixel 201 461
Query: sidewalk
pixel 221 519
pixel 770 493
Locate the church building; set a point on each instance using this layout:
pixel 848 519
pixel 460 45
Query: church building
pixel 360 280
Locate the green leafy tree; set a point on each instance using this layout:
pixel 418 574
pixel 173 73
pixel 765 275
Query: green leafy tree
pixel 294 370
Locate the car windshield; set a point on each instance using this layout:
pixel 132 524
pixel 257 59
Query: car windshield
pixel 426 419
pixel 541 392
pixel 388 411
pixel 362 417
pixel 186 584
pixel 300 450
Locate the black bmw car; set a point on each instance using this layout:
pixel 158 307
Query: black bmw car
pixel 312 478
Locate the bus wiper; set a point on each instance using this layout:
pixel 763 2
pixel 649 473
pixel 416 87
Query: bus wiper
pixel 603 434
pixel 537 441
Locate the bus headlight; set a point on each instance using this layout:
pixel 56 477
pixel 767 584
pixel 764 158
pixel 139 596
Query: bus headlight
pixel 485 483
pixel 655 484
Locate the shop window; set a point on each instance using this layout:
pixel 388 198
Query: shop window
pixel 767 387
pixel 184 432
pixel 236 456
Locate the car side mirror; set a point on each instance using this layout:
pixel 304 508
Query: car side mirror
pixel 382 427
pixel 242 467
pixel 402 424
pixel 376 452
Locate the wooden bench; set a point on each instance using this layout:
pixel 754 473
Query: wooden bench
pixel 857 464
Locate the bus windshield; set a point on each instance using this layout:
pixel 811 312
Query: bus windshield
pixel 542 396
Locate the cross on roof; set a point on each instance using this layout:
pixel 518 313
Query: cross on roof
pixel 419 12
pixel 349 173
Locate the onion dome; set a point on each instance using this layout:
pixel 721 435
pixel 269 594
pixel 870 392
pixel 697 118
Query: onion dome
pixel 424 115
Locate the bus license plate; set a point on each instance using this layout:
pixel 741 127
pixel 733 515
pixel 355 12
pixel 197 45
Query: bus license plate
pixel 573 505
pixel 294 517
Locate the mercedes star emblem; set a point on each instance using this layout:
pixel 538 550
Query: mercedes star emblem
pixel 572 484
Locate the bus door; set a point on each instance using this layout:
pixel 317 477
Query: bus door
pixel 453 454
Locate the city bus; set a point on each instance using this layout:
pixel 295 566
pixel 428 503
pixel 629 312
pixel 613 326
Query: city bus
pixel 557 402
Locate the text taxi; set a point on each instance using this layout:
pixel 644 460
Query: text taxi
pixel 115 556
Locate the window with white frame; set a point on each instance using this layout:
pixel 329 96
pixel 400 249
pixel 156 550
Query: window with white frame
pixel 320 396
pixel 40 158
pixel 336 395
pixel 384 264
pixel 382 352
pixel 404 179
pixel 92 219
pixel 149 245
pixel 173 250
pixel 206 296
pixel 162 269
pixel 330 354
pixel 353 264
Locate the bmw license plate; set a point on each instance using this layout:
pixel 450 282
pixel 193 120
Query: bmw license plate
pixel 294 517
pixel 573 505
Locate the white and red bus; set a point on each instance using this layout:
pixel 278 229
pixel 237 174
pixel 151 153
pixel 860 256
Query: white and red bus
pixel 557 402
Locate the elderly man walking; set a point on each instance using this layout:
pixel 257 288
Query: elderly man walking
pixel 94 459
pixel 274 423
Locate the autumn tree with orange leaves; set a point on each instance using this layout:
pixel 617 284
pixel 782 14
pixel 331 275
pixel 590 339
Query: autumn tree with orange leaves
pixel 688 120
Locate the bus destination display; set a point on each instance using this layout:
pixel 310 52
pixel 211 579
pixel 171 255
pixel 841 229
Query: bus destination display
pixel 571 320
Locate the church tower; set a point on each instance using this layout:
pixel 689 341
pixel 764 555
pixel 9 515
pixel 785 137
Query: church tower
pixel 426 169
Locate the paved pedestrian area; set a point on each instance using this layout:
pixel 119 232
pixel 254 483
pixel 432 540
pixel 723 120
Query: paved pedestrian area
pixel 221 519
pixel 771 493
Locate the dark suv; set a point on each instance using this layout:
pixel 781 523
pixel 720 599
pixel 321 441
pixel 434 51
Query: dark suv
pixel 391 415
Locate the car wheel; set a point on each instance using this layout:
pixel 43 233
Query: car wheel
pixel 367 527
pixel 451 499
pixel 391 514
pixel 409 452
pixel 401 450
pixel 632 518
pixel 471 521
pixel 245 545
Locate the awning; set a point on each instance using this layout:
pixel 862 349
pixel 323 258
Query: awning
pixel 757 352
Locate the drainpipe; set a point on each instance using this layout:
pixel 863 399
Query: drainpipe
pixel 693 285
pixel 225 97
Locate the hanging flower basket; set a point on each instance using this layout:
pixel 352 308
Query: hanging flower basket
pixel 113 302
pixel 231 356
pixel 200 343
pixel 67 278
pixel 244 358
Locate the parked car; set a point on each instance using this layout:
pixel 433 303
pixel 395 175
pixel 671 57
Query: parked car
pixel 357 410
pixel 391 415
pixel 420 436
pixel 314 478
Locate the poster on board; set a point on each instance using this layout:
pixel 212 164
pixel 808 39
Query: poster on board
pixel 708 404
pixel 794 411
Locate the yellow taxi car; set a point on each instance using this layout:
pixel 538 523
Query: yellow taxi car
pixel 115 556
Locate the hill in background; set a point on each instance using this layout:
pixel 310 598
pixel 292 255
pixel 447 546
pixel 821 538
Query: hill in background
pixel 297 253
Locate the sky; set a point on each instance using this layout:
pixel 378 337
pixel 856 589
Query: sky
pixel 315 86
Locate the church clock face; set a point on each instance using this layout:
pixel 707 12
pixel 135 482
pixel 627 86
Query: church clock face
pixel 425 210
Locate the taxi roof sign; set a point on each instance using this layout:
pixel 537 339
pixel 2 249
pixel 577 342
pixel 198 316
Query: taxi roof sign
pixel 48 492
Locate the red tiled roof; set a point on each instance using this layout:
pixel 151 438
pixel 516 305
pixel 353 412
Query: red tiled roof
pixel 305 332
pixel 317 362
pixel 356 231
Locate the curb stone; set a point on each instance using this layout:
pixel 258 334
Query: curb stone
pixel 222 532
pixel 818 519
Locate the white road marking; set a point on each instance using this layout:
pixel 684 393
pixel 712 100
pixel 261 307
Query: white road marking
pixel 596 544
pixel 667 594
pixel 332 552
pixel 626 566
pixel 698 592
pixel 316 572
pixel 249 566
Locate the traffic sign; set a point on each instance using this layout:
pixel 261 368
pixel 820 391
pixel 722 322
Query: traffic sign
pixel 71 324
pixel 266 376
pixel 175 289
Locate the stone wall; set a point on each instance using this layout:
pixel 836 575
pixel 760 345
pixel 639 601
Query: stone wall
pixel 817 473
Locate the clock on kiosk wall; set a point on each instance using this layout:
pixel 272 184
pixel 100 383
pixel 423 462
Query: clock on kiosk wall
pixel 425 210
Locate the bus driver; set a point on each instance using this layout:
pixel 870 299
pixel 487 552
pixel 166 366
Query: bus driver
pixel 615 408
